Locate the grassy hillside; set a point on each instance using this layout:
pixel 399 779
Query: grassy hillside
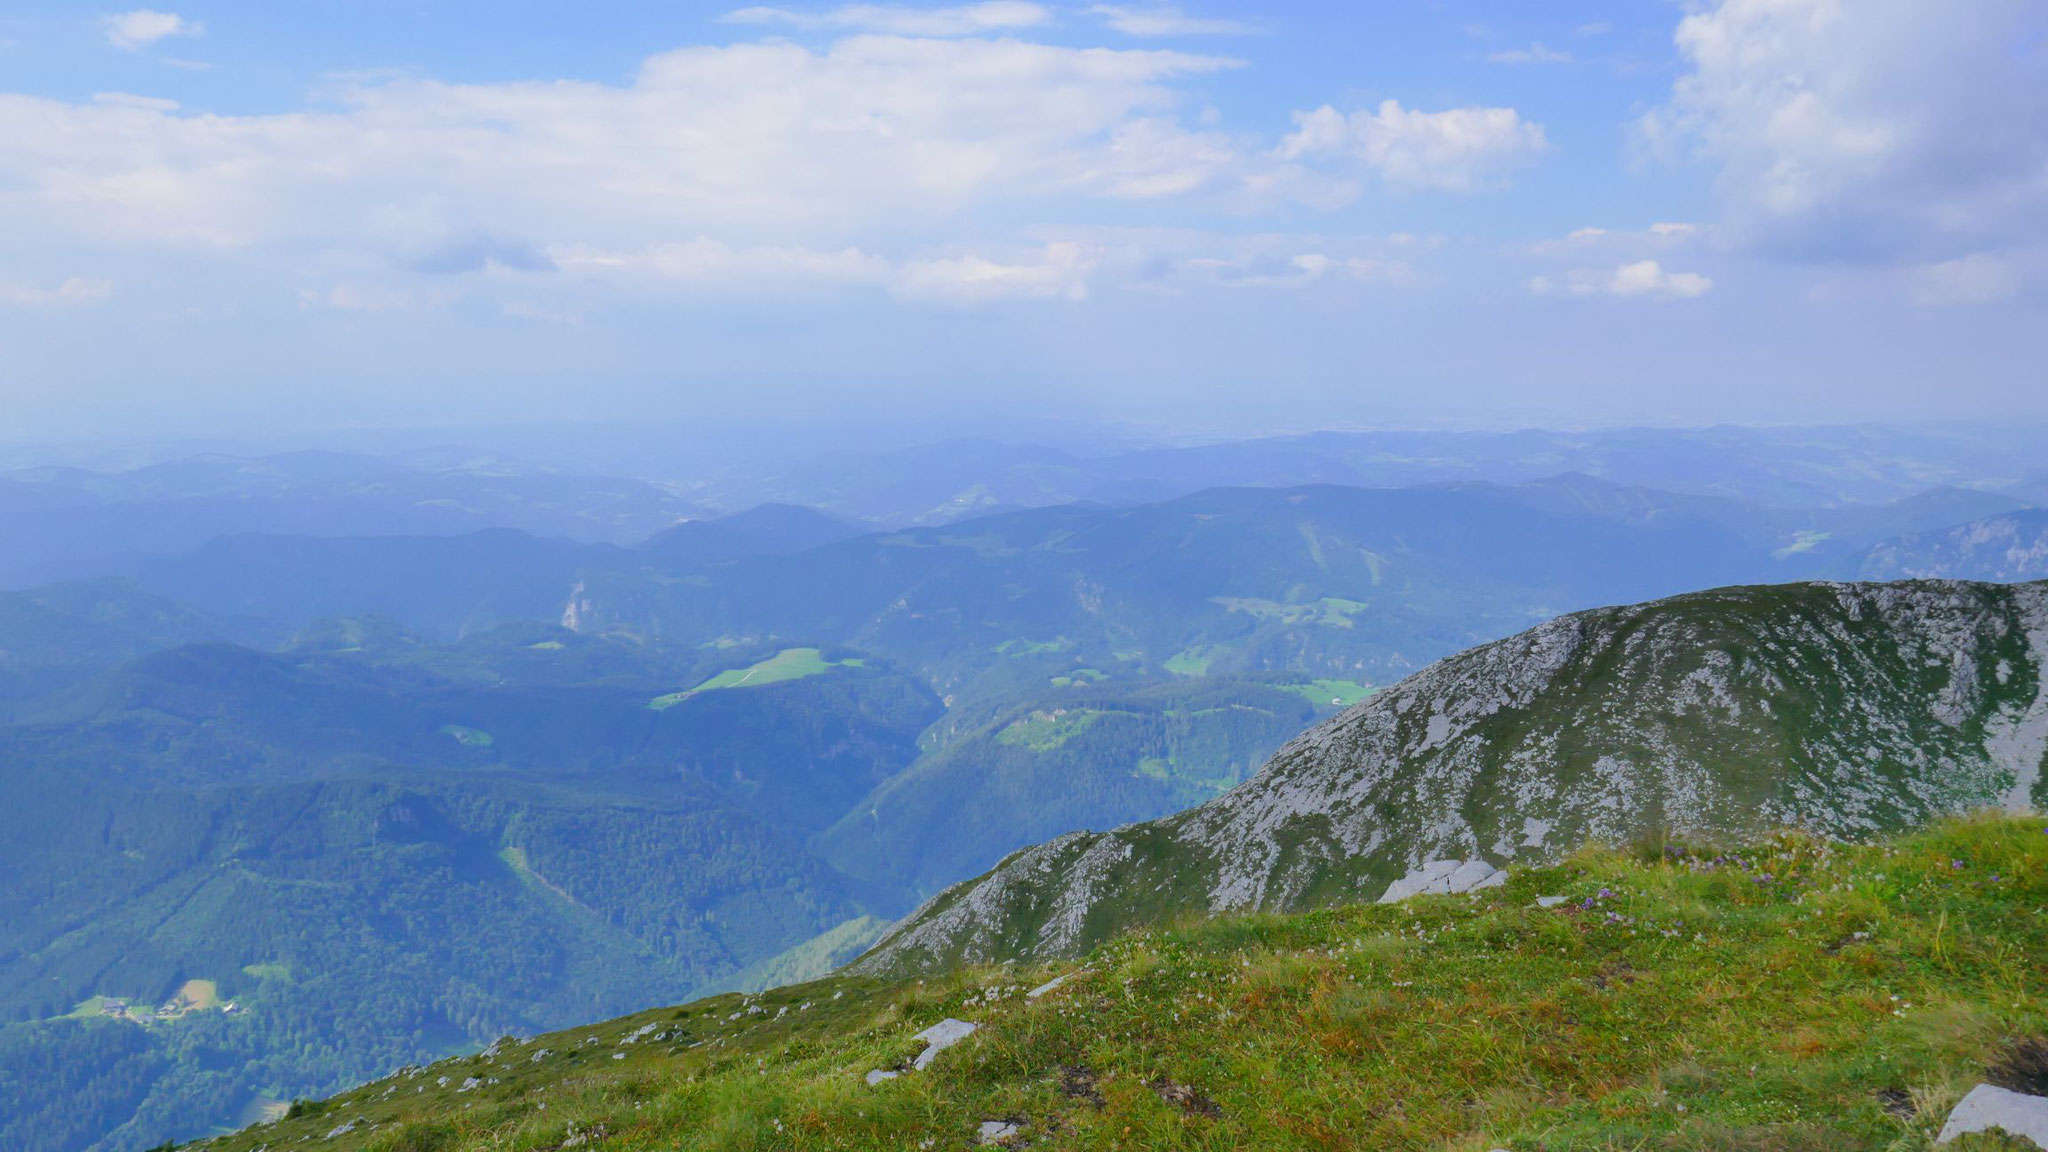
pixel 1792 995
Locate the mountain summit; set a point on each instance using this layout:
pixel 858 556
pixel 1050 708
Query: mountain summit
pixel 1846 709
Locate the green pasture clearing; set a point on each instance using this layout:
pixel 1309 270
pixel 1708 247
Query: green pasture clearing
pixel 1332 693
pixel 1193 661
pixel 1327 612
pixel 468 737
pixel 1044 731
pixel 788 664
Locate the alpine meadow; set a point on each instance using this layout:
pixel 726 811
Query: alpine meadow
pixel 632 577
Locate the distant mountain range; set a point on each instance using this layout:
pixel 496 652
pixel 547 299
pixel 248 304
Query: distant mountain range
pixel 70 523
pixel 1365 584
pixel 1846 709
pixel 1798 468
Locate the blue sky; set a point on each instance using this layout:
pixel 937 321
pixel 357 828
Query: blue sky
pixel 1214 218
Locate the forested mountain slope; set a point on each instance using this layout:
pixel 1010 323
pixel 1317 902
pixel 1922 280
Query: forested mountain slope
pixel 376 863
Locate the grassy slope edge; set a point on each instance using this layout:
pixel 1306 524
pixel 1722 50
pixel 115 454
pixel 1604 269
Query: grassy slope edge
pixel 1797 994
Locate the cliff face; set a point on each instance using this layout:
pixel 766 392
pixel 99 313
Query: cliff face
pixel 1847 709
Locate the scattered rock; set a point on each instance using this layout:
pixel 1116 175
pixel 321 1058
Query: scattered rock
pixel 997 1132
pixel 940 1037
pixel 1549 901
pixel 1988 1106
pixel 880 1074
pixel 342 1130
pixel 1439 877
pixel 1190 1101
pixel 1049 985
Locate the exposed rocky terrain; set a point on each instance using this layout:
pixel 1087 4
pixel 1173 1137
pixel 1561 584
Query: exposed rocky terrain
pixel 1844 709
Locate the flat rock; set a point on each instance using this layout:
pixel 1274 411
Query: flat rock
pixel 940 1037
pixel 1443 877
pixel 1989 1106
pixel 1049 985
pixel 997 1131
pixel 880 1074
pixel 1549 901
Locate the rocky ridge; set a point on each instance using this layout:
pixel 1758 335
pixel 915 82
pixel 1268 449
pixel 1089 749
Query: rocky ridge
pixel 1845 709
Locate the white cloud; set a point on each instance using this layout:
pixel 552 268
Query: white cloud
pixel 134 31
pixel 1867 130
pixel 1298 270
pixel 1057 270
pixel 1978 278
pixel 1534 54
pixel 1648 278
pixel 898 20
pixel 753 137
pixel 1060 271
pixel 1459 149
pixel 1621 243
pixel 1172 260
pixel 769 167
pixel 76 290
pixel 708 263
pixel 1069 268
pixel 1166 20
pixel 1644 278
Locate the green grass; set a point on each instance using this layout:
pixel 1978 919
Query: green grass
pixel 788 664
pixel 1193 661
pixel 468 737
pixel 93 1006
pixel 1797 995
pixel 1033 647
pixel 1328 612
pixel 1332 693
pixel 1044 731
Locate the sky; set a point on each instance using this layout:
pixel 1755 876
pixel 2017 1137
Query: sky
pixel 304 214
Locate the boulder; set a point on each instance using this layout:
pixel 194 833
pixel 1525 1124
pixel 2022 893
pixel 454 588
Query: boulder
pixel 1989 1106
pixel 940 1037
pixel 1441 877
